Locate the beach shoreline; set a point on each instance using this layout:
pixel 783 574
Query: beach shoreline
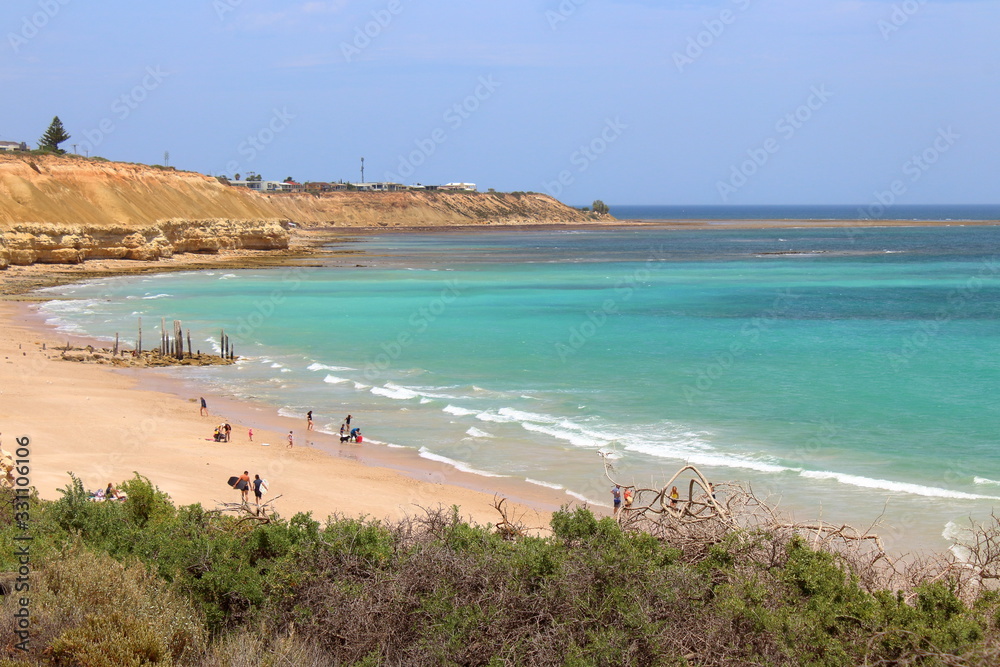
pixel 103 425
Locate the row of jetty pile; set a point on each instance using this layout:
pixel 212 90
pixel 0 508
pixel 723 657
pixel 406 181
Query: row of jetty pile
pixel 171 351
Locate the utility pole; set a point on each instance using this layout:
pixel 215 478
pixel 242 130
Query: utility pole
pixel 74 149
pixel 362 171
pixel 166 158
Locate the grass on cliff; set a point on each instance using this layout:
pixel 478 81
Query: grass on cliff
pixel 145 582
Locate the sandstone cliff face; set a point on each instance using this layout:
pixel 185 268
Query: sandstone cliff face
pixel 425 209
pixel 67 209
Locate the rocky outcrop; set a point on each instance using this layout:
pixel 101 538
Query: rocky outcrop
pixel 68 209
pixel 43 243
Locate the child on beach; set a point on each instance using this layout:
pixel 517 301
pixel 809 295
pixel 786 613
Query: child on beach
pixel 250 434
pixel 204 407
pixel 309 420
pixel 291 440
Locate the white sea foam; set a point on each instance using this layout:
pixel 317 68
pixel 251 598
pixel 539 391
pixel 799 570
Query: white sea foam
pixel 70 306
pixel 457 465
pixel 227 276
pixel 361 387
pixel 394 391
pixel 156 296
pixel 323 367
pixel 433 392
pixel 490 416
pixel 900 487
pixel 521 416
pixel 457 411
pixel 538 482
pixel 425 400
pixel 983 480
pixel 289 412
pixel 276 365
pixel 572 437
pixel 333 379
pixel 476 433
pixel 585 499
pixel 286 370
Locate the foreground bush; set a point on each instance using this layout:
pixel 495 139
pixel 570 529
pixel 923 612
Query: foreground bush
pixel 88 609
pixel 144 582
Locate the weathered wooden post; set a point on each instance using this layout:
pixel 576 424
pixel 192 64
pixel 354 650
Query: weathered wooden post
pixel 189 343
pixel 138 344
pixel 178 340
pixel 115 353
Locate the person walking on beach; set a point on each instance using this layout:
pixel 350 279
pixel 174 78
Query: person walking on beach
pixel 348 421
pixel 291 440
pixel 250 434
pixel 204 407
pixel 244 485
pixel 616 495
pixel 257 493
pixel 628 498
pixel 309 420
pixel 229 431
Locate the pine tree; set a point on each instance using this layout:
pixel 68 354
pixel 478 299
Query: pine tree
pixel 55 135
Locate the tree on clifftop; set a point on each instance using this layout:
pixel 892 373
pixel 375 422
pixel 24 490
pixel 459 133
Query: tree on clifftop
pixel 600 207
pixel 55 135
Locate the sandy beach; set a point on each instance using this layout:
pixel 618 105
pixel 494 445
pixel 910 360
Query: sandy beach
pixel 103 425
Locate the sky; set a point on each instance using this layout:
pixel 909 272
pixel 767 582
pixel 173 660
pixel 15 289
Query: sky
pixel 631 102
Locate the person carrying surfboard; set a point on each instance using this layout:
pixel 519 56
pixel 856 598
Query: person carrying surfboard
pixel 259 488
pixel 244 485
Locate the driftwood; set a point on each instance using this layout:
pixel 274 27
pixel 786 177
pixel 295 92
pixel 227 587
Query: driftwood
pixel 249 512
pixel 707 513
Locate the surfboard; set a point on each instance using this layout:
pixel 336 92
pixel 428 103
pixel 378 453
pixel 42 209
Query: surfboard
pixel 237 483
pixel 263 486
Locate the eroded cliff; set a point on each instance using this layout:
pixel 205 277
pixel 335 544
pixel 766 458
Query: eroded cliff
pixel 67 209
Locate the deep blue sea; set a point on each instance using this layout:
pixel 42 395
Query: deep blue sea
pixel 845 372
pixel 869 211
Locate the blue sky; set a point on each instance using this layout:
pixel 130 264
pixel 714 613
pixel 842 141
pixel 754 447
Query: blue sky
pixel 641 102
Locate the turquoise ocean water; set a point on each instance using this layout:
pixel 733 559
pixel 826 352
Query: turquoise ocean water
pixel 846 372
